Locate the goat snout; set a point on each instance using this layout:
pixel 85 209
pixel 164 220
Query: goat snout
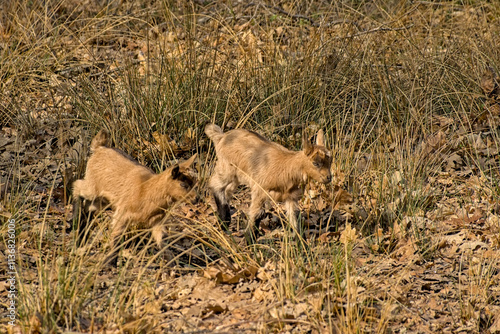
pixel 324 177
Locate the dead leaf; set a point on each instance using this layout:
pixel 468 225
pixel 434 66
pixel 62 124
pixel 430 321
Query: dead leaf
pixel 348 235
pixel 434 142
pixel 489 83
pixel 495 328
pixel 341 198
pixel 189 136
pixel 164 143
pixel 214 307
pixel 263 293
pixel 473 246
pixel 224 274
pixel 325 237
pixel 316 301
pixel 453 162
pixel 465 219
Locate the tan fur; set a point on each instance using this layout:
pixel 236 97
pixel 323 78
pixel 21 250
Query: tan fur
pixel 267 168
pixel 136 194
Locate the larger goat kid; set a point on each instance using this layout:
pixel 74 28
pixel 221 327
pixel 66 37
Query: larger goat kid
pixel 136 194
pixel 267 168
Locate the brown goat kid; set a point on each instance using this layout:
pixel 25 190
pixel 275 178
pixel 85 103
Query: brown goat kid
pixel 267 168
pixel 136 194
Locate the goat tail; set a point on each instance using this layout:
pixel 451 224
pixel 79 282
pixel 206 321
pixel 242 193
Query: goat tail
pixel 100 139
pixel 213 132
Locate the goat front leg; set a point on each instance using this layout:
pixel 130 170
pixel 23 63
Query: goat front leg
pixel 79 221
pixel 83 209
pixel 291 210
pixel 118 227
pixel 157 229
pixel 256 214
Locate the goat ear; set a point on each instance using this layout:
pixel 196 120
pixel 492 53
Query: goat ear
pixel 320 138
pixel 189 162
pixel 306 144
pixel 176 172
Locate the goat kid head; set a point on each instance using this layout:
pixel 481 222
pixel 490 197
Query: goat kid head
pixel 319 159
pixel 184 181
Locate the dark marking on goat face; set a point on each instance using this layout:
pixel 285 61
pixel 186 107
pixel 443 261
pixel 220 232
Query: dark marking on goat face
pixel 176 172
pixel 322 161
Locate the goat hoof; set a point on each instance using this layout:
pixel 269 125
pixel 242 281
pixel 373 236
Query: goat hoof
pixel 111 261
pixel 252 235
pixel 224 226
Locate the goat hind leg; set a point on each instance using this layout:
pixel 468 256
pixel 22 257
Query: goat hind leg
pixel 118 227
pixel 219 190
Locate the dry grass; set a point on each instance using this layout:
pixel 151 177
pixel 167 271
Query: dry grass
pixel 396 85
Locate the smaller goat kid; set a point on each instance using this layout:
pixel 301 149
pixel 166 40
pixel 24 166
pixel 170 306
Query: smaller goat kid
pixel 136 194
pixel 267 168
